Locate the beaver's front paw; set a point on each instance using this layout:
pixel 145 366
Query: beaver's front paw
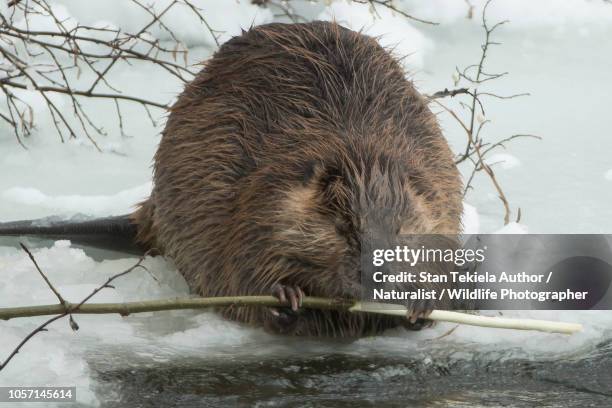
pixel 289 294
pixel 284 320
pixel 416 316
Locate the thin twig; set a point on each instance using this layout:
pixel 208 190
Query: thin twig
pixel 446 92
pixel 476 148
pixel 389 4
pixel 53 61
pixel 66 308
pixel 57 294
pixel 127 308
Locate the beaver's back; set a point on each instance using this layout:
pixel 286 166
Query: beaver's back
pixel 280 88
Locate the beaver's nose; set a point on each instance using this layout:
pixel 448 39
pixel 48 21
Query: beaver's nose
pixel 370 269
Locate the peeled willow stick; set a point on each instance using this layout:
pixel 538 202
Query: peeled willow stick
pixel 127 308
pixel 473 320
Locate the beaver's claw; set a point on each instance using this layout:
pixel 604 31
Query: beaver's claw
pixel 417 314
pixel 284 319
pixel 289 294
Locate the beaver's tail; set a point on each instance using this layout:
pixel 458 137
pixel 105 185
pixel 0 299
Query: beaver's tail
pixel 115 233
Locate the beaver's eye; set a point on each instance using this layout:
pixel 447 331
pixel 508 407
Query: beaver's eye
pixel 341 224
pixel 308 171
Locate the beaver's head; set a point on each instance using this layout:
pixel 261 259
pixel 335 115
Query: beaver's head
pixel 343 208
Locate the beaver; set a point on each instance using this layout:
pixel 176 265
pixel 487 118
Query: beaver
pixel 297 148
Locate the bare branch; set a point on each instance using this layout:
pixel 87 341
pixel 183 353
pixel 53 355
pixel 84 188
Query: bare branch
pixel 476 148
pixel 446 92
pixel 54 60
pixel 389 4
pixel 66 308
pixel 57 294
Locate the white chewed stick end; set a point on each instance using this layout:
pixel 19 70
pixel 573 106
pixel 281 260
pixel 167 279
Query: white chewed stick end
pixel 474 320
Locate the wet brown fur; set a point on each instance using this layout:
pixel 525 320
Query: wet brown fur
pixel 275 159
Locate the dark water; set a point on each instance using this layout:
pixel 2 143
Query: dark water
pixel 340 380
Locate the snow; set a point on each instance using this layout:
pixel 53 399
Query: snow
pixel 557 182
pixel 42 20
pixel 59 356
pixel 470 220
pixel 513 228
pixel 522 13
pixel 226 21
pixel 503 160
pixel 394 31
pixel 95 205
